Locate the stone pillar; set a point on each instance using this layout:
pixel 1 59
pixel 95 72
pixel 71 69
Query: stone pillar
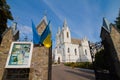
pixel 39 64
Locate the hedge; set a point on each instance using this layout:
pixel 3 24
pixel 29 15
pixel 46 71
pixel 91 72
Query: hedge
pixel 86 65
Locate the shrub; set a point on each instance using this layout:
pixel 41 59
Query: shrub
pixel 86 65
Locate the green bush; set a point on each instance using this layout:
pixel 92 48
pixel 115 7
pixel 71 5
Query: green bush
pixel 86 65
pixel 67 64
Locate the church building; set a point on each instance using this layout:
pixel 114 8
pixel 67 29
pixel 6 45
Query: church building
pixel 69 49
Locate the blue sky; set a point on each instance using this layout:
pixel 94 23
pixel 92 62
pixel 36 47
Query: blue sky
pixel 84 17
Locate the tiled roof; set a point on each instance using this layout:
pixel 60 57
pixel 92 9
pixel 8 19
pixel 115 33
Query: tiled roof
pixel 75 41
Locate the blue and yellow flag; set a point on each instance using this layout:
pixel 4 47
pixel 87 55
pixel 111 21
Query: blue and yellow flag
pixel 36 36
pixel 46 37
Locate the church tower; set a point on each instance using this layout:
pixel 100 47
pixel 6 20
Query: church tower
pixel 58 37
pixel 66 36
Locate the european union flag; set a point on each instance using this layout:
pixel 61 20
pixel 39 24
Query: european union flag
pixel 36 36
pixel 46 37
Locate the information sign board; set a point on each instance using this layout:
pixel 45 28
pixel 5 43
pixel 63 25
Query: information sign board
pixel 20 55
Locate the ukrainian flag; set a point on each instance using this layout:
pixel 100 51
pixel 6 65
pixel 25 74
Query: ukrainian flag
pixel 46 37
pixel 36 37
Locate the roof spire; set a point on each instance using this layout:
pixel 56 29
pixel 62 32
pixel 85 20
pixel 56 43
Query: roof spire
pixel 65 23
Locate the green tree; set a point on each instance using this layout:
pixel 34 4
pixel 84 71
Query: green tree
pixel 117 22
pixel 5 14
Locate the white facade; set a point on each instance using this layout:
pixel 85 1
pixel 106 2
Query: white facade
pixel 70 50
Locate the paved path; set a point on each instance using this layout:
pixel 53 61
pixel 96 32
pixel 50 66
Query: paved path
pixel 61 72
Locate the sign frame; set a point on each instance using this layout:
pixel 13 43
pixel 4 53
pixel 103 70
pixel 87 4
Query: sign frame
pixel 24 58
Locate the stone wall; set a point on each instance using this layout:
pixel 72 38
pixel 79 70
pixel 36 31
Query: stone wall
pixel 111 42
pixel 41 57
pixel 41 27
pixel 6 41
pixel 39 69
pixel 115 35
pixel 3 58
pixel 39 64
pixel 4 49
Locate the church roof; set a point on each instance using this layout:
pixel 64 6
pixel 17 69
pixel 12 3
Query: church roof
pixel 75 41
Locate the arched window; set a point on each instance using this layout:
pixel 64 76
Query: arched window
pixel 67 35
pixel 85 52
pixel 68 50
pixel 75 51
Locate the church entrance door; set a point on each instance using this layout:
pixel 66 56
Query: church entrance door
pixel 58 60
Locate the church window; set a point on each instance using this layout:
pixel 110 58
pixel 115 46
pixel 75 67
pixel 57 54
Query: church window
pixel 75 51
pixel 85 52
pixel 63 53
pixel 68 50
pixel 67 35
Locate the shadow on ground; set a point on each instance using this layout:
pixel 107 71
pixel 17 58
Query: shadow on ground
pixel 81 74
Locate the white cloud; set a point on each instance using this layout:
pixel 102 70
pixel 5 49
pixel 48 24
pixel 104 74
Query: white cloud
pixel 25 31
